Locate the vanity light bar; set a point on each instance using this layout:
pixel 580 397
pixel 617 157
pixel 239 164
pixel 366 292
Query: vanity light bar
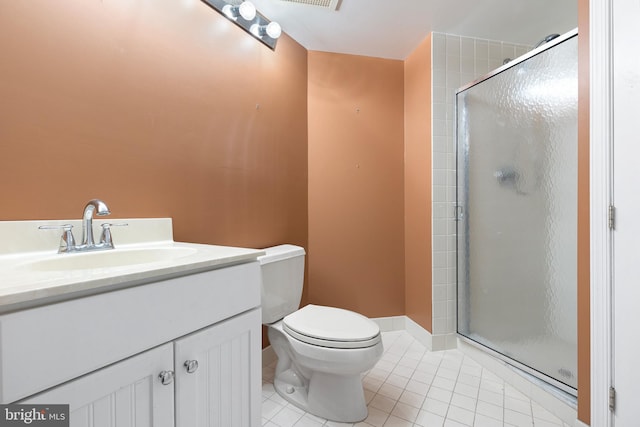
pixel 245 15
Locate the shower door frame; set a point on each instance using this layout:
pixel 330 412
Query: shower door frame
pixel 459 213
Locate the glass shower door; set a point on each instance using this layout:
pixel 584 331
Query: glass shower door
pixel 517 192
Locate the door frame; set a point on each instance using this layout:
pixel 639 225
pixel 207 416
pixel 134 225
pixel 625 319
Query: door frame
pixel 601 196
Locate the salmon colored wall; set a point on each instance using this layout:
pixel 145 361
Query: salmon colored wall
pixel 167 109
pixel 584 310
pixel 356 225
pixel 417 185
pixel 162 109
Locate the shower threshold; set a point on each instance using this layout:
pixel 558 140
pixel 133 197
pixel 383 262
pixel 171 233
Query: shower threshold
pixel 558 389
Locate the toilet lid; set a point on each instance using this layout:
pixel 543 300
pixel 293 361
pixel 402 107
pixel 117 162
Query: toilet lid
pixel 332 327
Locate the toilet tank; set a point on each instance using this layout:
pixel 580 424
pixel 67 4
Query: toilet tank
pixel 282 279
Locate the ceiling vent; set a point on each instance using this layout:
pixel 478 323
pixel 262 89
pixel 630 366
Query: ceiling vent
pixel 327 4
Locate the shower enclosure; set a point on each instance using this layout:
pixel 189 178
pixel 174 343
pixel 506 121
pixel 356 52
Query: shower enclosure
pixel 517 211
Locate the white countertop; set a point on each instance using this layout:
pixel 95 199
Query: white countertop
pixel 22 286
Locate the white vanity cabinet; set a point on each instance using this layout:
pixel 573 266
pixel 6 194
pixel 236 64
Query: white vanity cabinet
pixel 104 354
pixel 224 387
pixel 127 393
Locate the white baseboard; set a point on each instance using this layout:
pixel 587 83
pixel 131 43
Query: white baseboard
pixel 419 333
pixel 389 324
pixel 404 323
pixel 444 342
pixel 579 423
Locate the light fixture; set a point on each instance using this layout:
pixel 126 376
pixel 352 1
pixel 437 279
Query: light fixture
pixel 245 15
pixel 246 10
pixel 272 30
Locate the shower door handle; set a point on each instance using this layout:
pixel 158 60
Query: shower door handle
pixel 458 213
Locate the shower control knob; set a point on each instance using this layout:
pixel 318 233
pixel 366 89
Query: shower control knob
pixel 191 366
pixel 290 390
pixel 166 377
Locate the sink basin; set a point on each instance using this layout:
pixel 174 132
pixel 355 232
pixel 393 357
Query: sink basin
pixel 33 274
pixel 107 259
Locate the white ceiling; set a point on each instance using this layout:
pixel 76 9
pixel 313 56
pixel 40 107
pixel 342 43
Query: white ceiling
pixel 394 28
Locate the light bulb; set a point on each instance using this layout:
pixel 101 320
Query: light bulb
pixel 246 10
pixel 228 12
pixel 274 30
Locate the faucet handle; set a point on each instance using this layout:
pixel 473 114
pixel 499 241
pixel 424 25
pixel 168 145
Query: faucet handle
pixel 67 241
pixel 105 238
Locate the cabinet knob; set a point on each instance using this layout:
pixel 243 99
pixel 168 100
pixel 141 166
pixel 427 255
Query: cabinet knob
pixel 191 365
pixel 166 377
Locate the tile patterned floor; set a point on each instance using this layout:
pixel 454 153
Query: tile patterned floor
pixel 411 387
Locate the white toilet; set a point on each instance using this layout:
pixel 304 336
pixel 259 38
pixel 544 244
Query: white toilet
pixel 322 351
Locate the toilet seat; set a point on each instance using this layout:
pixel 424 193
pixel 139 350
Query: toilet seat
pixel 331 327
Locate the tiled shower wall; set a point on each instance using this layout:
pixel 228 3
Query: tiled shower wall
pixel 456 61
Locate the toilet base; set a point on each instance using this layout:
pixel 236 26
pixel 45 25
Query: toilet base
pixel 344 403
pixel 323 381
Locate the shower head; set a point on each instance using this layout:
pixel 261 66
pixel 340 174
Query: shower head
pixel 547 39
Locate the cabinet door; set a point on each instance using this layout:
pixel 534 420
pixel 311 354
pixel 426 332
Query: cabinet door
pixel 225 389
pixel 126 394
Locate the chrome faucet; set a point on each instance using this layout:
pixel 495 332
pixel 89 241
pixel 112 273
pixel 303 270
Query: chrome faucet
pixel 67 241
pixel 101 209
